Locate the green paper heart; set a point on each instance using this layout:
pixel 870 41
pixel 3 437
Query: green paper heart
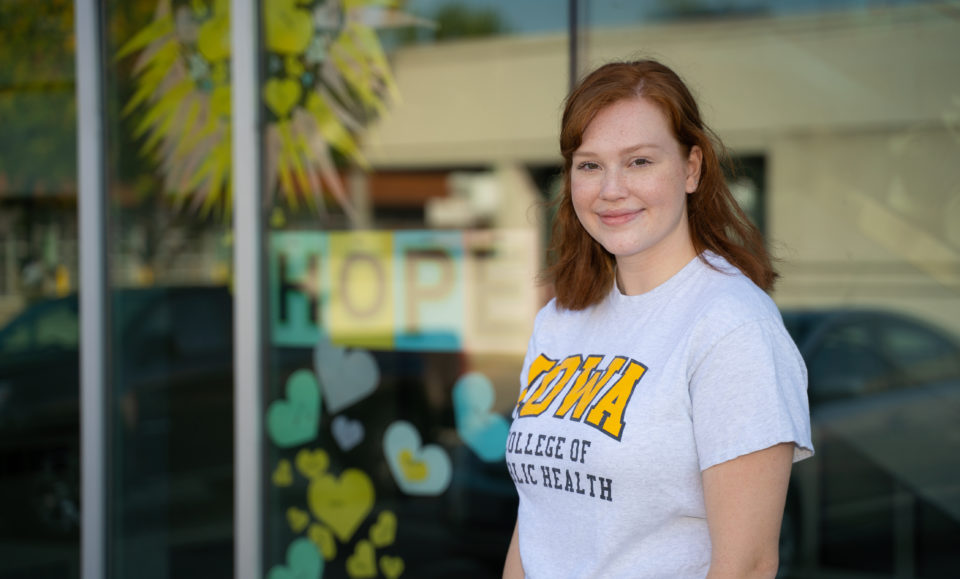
pixel 296 419
pixel 303 562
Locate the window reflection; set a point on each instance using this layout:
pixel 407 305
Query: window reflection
pixel 39 329
pixel 859 201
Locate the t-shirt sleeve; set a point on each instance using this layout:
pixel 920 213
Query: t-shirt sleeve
pixel 748 393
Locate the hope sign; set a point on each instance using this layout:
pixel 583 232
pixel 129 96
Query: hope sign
pixel 404 290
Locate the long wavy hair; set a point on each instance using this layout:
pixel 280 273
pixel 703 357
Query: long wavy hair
pixel 581 270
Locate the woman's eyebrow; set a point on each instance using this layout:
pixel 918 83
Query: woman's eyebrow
pixel 624 151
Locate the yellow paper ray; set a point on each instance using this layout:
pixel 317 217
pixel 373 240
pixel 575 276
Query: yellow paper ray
pixel 153 32
pixel 333 131
pixel 166 104
pixel 368 44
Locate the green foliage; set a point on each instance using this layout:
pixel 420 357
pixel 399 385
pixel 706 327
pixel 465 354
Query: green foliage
pixel 453 21
pixel 456 21
pixel 37 98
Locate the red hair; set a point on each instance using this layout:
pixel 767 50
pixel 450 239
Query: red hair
pixel 582 271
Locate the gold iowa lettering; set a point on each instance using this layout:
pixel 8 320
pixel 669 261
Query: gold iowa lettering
pixel 592 395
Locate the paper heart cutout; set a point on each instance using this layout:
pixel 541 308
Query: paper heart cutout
pixel 484 432
pixel 281 95
pixel 347 377
pixel 213 38
pixel 298 519
pixel 348 433
pixel 283 474
pixel 384 532
pixel 413 469
pixel 312 464
pixel 288 28
pixel 342 503
pixel 303 562
pixel 392 567
pixel 363 562
pixel 296 419
pixel 322 537
pixel 416 470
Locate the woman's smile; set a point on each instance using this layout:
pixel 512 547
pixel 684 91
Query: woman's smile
pixel 619 217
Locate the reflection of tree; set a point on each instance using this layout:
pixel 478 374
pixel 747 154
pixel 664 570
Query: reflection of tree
pixel 38 94
pixel 463 21
pixel 456 20
pixel 37 105
pixel 687 9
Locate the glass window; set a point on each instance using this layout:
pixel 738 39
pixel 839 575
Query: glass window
pixel 852 108
pixel 920 353
pixel 402 287
pixel 846 363
pixel 167 99
pixel 39 366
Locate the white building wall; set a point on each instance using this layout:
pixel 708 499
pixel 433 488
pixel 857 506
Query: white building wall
pixel 858 116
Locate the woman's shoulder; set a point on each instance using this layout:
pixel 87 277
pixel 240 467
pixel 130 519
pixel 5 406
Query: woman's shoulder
pixel 725 297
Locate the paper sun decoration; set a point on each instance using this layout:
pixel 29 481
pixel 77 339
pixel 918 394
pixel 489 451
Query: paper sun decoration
pixel 326 75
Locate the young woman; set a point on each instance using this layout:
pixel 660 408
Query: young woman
pixel 662 400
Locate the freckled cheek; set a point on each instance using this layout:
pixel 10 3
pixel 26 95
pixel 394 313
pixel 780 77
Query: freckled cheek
pixel 581 199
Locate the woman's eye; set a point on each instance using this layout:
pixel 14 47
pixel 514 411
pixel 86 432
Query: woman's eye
pixel 587 166
pixel 639 162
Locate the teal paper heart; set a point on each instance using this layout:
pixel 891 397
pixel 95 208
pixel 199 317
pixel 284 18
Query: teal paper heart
pixel 483 431
pixel 303 562
pixel 296 419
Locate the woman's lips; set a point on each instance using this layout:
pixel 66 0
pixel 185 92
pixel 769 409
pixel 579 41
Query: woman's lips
pixel 618 217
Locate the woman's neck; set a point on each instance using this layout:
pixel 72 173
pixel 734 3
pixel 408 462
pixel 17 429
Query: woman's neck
pixel 639 274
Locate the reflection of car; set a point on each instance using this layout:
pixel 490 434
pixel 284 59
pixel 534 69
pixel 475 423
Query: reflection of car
pixel 882 494
pixel 171 373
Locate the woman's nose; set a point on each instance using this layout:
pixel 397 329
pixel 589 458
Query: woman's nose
pixel 613 186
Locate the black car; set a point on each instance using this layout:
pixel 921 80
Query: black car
pixel 882 494
pixel 172 373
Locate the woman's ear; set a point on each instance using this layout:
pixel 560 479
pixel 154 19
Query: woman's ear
pixel 694 164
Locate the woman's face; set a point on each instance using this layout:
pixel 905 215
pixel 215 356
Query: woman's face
pixel 629 181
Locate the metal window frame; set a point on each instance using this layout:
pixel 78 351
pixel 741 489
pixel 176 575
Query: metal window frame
pixel 92 203
pixel 248 285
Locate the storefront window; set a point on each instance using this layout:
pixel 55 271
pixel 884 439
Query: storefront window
pixel 852 110
pixel 409 152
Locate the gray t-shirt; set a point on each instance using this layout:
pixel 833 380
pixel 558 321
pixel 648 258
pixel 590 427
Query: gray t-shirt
pixel 623 405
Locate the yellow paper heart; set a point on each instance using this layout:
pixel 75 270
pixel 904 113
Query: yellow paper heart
pixel 213 38
pixel 341 503
pixel 283 474
pixel 392 567
pixel 413 469
pixel 281 95
pixel 298 519
pixel 288 29
pixel 312 464
pixel 384 532
pixel 363 562
pixel 323 539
